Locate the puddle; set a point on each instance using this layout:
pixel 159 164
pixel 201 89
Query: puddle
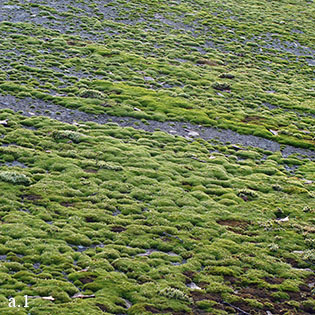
pixel 7 144
pixel 36 265
pixel 184 261
pixel 116 212
pixel 15 163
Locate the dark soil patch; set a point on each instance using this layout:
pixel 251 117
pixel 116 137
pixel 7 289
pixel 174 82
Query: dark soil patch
pixel 102 307
pixel 292 262
pixel 189 274
pixel 199 296
pixel 295 296
pixel 90 171
pixel 234 223
pixel 207 62
pixel 203 284
pixel 154 310
pixel 274 280
pixel 165 239
pixel 90 219
pixel 221 86
pixel 67 204
pixel 248 119
pixel 254 292
pixel 310 280
pixel 32 197
pixel 75 43
pixel 231 279
pixel 87 279
pixel 118 229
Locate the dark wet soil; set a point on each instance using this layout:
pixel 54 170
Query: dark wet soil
pixel 30 107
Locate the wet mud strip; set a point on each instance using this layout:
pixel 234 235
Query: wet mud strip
pixel 30 107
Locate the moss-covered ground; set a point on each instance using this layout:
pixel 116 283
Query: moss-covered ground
pixel 151 222
pixel 96 218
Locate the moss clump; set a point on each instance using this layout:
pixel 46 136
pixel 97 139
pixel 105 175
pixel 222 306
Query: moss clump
pixel 68 134
pixel 85 93
pixel 15 178
pixel 173 293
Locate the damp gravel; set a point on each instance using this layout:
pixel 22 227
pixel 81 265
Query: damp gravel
pixel 30 107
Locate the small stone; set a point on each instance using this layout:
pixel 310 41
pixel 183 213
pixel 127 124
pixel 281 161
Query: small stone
pixel 137 109
pixel 286 219
pixel 128 304
pixel 49 298
pixel 82 296
pixel 236 147
pixel 307 181
pixel 298 252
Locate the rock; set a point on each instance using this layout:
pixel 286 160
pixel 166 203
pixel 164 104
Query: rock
pixel 298 252
pixel 286 219
pixel 236 147
pixel 4 122
pixel 48 298
pixel 193 286
pixel 307 181
pixel 82 296
pixel 193 134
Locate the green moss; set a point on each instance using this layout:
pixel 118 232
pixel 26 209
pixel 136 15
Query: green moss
pixel 133 217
